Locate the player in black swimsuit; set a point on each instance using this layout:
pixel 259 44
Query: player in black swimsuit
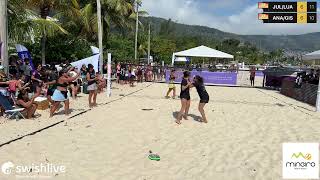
pixel 185 97
pixel 61 92
pixel 204 96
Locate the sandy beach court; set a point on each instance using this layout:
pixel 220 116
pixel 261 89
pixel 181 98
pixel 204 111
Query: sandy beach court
pixel 242 141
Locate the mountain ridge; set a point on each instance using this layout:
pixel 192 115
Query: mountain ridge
pixel 301 43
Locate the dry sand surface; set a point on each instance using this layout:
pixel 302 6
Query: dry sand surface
pixel 243 139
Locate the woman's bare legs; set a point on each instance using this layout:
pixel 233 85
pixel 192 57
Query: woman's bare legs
pixel 95 93
pixel 174 93
pixel 54 107
pixel 185 116
pixel 201 110
pixel 90 98
pixel 29 112
pixel 66 107
pixel 169 90
pixel 182 110
pixel 74 90
pixel 50 100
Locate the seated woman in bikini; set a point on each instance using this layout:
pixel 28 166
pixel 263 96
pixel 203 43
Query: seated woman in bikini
pixel 61 92
pixel 29 104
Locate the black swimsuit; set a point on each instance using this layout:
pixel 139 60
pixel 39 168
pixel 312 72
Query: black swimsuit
pixel 204 96
pixel 65 85
pixel 184 94
pixel 92 76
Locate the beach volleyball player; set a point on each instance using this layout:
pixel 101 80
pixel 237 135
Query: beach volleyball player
pixel 185 97
pixel 198 83
pixel 172 86
pixel 92 86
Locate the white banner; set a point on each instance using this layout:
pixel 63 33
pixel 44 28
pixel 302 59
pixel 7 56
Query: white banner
pixel 94 60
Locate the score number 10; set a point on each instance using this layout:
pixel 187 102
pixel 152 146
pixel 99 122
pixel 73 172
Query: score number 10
pixel 306 18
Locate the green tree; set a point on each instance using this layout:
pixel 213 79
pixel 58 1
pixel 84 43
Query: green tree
pixel 47 27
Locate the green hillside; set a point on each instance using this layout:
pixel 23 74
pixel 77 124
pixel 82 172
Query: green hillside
pixel 305 42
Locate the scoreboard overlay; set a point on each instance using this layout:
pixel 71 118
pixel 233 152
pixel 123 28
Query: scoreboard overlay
pixel 288 12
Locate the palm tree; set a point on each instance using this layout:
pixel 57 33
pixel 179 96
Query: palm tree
pixel 81 21
pixel 47 27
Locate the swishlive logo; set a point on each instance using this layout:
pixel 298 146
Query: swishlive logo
pixel 19 170
pixel 300 160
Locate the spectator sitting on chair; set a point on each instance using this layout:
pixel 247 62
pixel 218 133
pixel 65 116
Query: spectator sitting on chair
pixel 29 104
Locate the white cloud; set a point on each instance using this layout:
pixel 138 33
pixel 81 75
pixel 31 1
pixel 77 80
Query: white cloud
pixel 244 22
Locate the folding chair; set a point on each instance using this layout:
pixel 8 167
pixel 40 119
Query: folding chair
pixel 9 109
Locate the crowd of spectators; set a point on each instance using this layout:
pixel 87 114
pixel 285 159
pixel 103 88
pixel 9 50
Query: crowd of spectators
pixel 26 81
pixel 130 73
pixel 311 77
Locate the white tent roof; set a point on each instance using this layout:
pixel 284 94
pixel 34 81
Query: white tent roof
pixel 203 51
pixel 312 56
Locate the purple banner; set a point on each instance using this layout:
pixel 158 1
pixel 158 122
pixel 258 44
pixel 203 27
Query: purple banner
pixel 259 73
pixel 26 54
pixel 219 78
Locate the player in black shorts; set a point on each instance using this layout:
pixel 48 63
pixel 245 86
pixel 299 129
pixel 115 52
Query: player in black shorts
pixel 185 97
pixel 204 96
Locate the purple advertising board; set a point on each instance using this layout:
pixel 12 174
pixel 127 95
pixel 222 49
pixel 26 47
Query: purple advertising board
pixel 217 78
pixel 259 73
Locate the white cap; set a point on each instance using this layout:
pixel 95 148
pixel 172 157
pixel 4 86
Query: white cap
pixel 1 67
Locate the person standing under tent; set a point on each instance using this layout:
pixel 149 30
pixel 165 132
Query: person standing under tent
pixel 252 75
pixel 92 86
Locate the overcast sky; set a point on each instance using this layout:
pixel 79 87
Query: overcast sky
pixel 236 16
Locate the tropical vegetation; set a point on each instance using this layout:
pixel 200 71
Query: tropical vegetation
pixel 55 30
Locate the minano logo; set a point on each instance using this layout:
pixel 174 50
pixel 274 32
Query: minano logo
pixel 301 161
pixel 301 155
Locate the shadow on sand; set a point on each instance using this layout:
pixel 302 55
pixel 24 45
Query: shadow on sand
pixel 194 117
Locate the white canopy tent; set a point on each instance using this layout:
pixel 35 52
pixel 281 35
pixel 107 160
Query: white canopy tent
pixel 201 51
pixel 314 56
